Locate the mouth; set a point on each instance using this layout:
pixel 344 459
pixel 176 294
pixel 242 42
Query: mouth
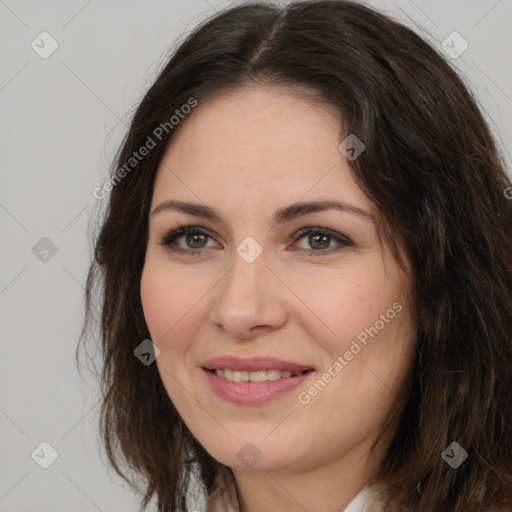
pixel 255 380
pixel 255 365
pixel 255 376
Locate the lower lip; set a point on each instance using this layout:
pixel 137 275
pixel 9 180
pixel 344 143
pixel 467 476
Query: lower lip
pixel 252 393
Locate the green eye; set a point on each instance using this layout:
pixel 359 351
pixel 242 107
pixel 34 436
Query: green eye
pixel 196 238
pixel 318 236
pixel 192 235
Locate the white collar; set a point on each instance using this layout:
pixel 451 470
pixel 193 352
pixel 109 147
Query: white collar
pixel 360 502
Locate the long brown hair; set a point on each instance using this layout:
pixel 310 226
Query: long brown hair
pixel 433 170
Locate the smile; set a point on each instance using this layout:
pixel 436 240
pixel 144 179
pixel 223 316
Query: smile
pixel 255 387
pixel 257 376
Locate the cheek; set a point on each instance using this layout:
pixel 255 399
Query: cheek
pixel 168 305
pixel 349 304
pixel 168 301
pixel 155 299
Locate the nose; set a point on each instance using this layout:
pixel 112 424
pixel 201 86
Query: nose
pixel 249 299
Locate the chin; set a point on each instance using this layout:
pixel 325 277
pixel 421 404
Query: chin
pixel 253 453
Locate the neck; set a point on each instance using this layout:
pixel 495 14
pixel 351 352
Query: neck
pixel 326 487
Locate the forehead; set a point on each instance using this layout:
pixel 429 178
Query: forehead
pixel 260 144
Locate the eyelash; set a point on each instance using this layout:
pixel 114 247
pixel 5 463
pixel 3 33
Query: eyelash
pixel 185 230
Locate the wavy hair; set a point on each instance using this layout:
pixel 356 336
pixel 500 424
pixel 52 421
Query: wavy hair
pixel 436 175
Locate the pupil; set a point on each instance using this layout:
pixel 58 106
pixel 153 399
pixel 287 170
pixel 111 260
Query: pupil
pixel 325 237
pixel 192 238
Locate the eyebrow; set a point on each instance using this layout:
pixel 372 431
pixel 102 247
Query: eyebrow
pixel 286 214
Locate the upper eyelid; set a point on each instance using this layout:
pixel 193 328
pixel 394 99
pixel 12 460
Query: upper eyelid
pixel 298 234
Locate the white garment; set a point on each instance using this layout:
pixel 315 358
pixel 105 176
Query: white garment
pixel 197 503
pixel 361 502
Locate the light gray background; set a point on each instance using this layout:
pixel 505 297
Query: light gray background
pixel 61 120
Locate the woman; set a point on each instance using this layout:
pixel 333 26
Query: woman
pixel 306 274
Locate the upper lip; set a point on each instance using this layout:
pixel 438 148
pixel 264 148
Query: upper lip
pixel 253 364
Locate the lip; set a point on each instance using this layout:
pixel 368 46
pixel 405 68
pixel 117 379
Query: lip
pixel 253 364
pixel 253 393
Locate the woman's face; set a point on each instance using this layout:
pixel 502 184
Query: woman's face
pixel 245 293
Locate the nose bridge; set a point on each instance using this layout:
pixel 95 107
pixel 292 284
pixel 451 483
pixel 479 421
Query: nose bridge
pixel 246 298
pixel 247 274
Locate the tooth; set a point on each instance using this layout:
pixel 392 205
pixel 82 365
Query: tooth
pixel 240 376
pixel 258 376
pixel 273 374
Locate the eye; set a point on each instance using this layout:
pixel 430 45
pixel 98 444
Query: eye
pixel 195 240
pixel 320 239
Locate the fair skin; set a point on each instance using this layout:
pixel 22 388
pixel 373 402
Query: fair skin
pixel 247 154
